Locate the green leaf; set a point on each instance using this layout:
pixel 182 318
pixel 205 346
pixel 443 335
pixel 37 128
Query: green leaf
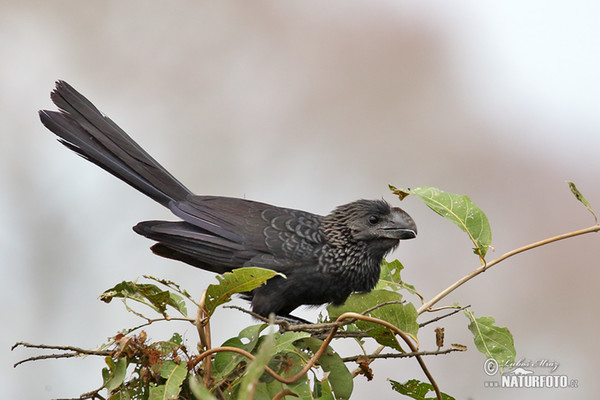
pixel 174 375
pixel 171 285
pixel 403 316
pixel 121 395
pixel 286 364
pixel 156 392
pixel 301 388
pixel 166 347
pixel 238 281
pixel 256 368
pixel 582 199
pixel 114 376
pixel 225 362
pixel 338 375
pixel 417 390
pixel 284 342
pixel 389 278
pixel 147 294
pixel 493 341
pixel 460 210
pixel 390 272
pixel 199 391
pixel 323 389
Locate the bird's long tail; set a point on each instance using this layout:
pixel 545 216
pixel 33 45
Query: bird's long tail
pixel 81 127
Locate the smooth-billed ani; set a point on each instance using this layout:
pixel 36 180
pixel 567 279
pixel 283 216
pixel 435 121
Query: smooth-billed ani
pixel 324 258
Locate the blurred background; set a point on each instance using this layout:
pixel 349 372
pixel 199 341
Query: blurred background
pixel 307 105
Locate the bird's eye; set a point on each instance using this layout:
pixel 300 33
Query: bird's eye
pixel 373 219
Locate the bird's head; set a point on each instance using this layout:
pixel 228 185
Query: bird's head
pixel 371 221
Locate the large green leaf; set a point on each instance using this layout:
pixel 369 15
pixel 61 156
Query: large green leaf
pixel 114 375
pixel 174 374
pixel 460 210
pixel 238 281
pixel 403 316
pixel 493 341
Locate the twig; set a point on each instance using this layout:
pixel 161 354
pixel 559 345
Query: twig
pixel 94 394
pixel 380 305
pixel 443 316
pixel 251 313
pixel 75 352
pixel 344 334
pixel 283 393
pixel 287 326
pixel 455 285
pixel 167 318
pixel 402 355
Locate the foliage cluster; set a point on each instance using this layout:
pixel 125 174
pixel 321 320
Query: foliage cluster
pixel 296 360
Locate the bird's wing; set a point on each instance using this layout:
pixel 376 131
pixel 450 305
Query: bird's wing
pixel 226 233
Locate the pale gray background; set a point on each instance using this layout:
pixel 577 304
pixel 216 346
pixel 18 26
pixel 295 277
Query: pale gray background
pixel 309 105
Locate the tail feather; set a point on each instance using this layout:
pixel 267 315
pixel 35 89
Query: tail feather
pixel 193 245
pixel 81 127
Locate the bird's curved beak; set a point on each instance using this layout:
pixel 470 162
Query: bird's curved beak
pixel 400 226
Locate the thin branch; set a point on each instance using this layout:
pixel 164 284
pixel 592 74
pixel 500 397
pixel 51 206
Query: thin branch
pixel 251 313
pixel 151 321
pixel 402 355
pixel 380 305
pixel 443 316
pixel 287 326
pixel 94 394
pixel 75 352
pixel 50 356
pixel 455 285
pixel 283 393
pixel 344 334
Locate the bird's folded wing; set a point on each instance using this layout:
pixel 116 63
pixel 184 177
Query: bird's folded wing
pixel 265 228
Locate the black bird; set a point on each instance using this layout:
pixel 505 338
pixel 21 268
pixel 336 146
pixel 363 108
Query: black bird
pixel 324 258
